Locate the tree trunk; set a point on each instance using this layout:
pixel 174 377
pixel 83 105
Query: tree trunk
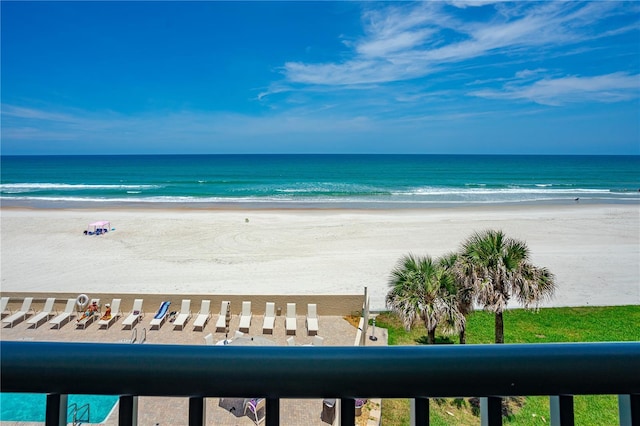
pixel 463 336
pixel 431 337
pixel 499 328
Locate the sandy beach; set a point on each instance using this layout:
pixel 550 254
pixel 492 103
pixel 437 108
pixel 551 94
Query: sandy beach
pixel 594 250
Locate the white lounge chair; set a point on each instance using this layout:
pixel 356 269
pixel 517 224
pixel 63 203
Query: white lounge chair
pixel 312 319
pixel 291 321
pixel 21 314
pixel 160 316
pixel 221 323
pixel 183 315
pixel 66 315
pixel 115 314
pixel 269 318
pixel 245 317
pixel 291 341
pixel 316 341
pixel 3 306
pixel 203 316
pixel 84 322
pixel 44 314
pixel 134 316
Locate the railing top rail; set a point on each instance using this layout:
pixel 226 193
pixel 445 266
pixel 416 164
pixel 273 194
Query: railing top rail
pixel 307 372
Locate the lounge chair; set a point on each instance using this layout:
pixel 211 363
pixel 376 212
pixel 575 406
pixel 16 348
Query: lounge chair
pixel 225 315
pixel 316 341
pixel 203 315
pixel 84 322
pixel 44 314
pixel 208 339
pixel 160 316
pixel 115 314
pixel 245 317
pixel 183 315
pixel 269 318
pixel 66 315
pixel 21 314
pixel 291 341
pixel 3 306
pixel 255 406
pixel 134 316
pixel 312 319
pixel 291 321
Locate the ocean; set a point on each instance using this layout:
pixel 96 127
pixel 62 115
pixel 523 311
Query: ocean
pixel 316 181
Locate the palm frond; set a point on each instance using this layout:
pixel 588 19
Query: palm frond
pixel 420 287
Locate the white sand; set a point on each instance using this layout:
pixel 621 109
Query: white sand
pixel 594 250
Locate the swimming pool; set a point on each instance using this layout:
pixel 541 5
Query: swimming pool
pixel 30 407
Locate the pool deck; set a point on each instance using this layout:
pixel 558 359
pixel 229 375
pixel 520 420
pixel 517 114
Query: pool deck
pixel 153 411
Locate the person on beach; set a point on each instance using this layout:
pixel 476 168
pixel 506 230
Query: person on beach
pixel 91 310
pixel 107 313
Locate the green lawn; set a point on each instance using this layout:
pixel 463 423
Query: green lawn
pixel 585 324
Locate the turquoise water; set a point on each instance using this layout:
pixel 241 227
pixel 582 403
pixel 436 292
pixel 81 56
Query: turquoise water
pixel 317 180
pixel 30 407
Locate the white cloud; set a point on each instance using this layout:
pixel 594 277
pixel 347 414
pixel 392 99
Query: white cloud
pixel 17 112
pixel 199 131
pixel 613 87
pixel 402 43
pixel 472 3
pixel 395 43
pixel 527 73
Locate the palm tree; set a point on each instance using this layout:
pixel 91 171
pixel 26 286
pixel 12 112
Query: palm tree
pixel 421 288
pixel 464 293
pixel 498 268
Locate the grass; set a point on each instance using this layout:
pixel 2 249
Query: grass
pixel 582 324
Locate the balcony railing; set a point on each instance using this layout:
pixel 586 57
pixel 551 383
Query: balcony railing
pixel 419 372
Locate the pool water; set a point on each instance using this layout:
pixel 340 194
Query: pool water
pixel 30 407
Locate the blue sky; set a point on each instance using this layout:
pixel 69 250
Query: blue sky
pixel 320 77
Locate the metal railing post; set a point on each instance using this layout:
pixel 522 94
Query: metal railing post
pixel 561 407
pixel 420 415
pixel 491 411
pixel 197 411
pixel 347 412
pixel 629 409
pixel 128 410
pixel 272 412
pixel 56 410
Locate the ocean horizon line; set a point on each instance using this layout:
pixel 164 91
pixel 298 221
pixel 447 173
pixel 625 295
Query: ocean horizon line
pixel 317 154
